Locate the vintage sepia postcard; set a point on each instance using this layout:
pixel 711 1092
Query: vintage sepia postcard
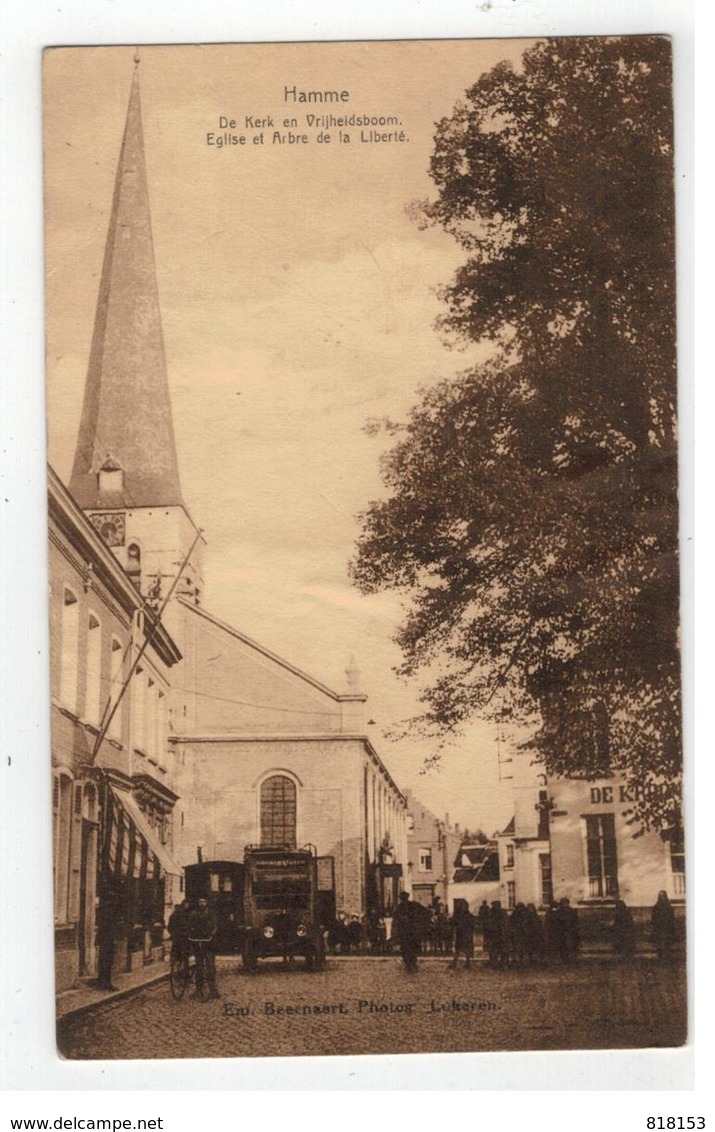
pixel 363 543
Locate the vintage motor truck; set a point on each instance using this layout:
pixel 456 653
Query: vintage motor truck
pixel 280 907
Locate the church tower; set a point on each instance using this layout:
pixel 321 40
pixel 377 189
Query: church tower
pixel 125 473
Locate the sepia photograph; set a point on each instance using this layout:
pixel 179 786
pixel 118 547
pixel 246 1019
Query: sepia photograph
pixel 363 548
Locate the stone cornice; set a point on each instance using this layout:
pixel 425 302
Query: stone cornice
pixel 316 737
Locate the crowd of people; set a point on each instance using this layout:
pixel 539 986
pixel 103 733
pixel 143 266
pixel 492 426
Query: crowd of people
pixel 518 937
pixel 508 937
pixel 524 937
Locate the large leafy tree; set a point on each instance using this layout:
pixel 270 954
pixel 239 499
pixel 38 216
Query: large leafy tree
pixel 531 512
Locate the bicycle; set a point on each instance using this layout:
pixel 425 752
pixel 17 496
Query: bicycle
pixel 183 972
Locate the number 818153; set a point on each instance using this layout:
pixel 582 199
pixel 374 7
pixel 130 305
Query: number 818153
pixel 675 1122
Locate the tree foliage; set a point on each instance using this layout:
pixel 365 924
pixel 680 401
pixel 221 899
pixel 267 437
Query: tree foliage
pixel 531 512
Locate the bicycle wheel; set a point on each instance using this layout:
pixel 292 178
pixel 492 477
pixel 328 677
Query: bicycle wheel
pixel 201 983
pixel 177 977
pixel 205 993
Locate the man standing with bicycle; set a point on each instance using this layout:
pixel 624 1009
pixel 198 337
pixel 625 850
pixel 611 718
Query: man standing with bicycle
pixel 178 928
pixel 202 940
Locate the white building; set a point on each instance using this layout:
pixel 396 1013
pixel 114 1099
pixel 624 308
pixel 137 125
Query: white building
pixel 576 838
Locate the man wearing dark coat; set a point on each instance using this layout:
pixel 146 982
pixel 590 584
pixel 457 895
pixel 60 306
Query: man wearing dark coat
pixel 202 938
pixel 534 935
pixel 406 928
pixel 550 932
pixel 566 931
pixel 178 928
pixel 518 933
pixel 623 930
pixel 109 921
pixel 496 935
pixel 463 933
pixel 482 921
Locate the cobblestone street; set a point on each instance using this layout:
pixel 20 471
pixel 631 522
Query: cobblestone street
pixel 365 1006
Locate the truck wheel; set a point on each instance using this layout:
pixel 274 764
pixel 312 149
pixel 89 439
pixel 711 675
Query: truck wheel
pixel 319 955
pixel 250 959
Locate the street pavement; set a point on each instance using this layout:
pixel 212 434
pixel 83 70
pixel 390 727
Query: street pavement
pixel 370 1005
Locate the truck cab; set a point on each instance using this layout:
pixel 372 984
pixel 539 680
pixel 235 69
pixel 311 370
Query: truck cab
pixel 280 905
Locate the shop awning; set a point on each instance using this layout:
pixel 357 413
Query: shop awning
pixel 143 853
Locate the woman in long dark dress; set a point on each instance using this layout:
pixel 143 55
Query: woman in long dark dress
pixel 662 920
pixel 463 933
pixel 623 931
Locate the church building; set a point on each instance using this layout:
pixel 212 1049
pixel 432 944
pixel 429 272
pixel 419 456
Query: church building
pixel 255 750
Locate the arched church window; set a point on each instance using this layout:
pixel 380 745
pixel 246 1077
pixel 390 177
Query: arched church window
pixel 278 812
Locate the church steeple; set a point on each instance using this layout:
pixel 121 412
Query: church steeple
pixel 126 427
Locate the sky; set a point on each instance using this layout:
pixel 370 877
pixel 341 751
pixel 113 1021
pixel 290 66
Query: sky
pixel 299 301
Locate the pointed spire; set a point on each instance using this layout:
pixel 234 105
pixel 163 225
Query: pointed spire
pixel 127 409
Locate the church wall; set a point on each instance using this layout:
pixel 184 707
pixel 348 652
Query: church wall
pixel 219 786
pixel 226 684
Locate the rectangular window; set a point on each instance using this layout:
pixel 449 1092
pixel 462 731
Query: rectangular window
pixel 601 855
pixel 547 888
pixel 509 862
pixel 150 715
pixel 160 727
pixel 75 863
pixel 139 690
pixel 69 656
pixel 425 860
pixel 543 807
pixel 115 685
pixel 93 680
pixel 511 894
pixel 677 861
pixel 63 847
